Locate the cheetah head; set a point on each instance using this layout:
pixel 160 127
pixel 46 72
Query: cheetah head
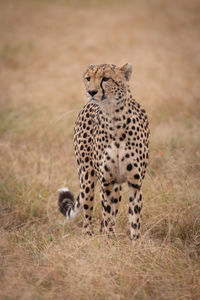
pixel 106 85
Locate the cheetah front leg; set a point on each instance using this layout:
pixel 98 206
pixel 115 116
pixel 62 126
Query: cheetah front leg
pixel 86 197
pixel 110 198
pixel 135 206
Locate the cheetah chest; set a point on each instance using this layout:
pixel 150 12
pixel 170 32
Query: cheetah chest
pixel 112 166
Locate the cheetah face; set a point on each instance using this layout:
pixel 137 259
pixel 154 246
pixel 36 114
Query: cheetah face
pixel 106 85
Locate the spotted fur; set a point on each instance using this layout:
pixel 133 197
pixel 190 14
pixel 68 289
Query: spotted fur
pixel 111 139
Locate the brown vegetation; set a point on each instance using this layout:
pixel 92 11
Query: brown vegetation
pixel 45 47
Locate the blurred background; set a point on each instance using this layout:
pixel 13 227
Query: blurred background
pixel 45 47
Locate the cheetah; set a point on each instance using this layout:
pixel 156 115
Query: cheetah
pixel 111 141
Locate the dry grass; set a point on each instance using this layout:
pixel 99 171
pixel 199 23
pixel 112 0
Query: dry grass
pixel 45 46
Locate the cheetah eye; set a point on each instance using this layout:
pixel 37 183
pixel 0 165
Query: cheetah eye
pixel 87 78
pixel 106 78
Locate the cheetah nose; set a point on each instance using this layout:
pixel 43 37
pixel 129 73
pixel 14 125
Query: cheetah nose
pixel 92 92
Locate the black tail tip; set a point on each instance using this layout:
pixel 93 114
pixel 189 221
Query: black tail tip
pixel 65 200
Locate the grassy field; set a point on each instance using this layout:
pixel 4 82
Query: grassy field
pixel 45 47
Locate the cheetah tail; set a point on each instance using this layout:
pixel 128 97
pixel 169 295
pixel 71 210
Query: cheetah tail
pixel 67 206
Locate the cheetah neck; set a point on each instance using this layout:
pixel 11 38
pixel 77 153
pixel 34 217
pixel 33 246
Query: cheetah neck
pixel 116 119
pixel 113 106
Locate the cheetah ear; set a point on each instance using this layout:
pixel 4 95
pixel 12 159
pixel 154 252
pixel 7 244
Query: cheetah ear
pixel 90 66
pixel 127 70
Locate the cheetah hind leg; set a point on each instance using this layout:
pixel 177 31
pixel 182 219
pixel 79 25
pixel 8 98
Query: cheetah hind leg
pixel 71 209
pixel 102 227
pixel 135 206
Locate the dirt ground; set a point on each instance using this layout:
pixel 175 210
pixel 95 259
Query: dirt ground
pixel 45 47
